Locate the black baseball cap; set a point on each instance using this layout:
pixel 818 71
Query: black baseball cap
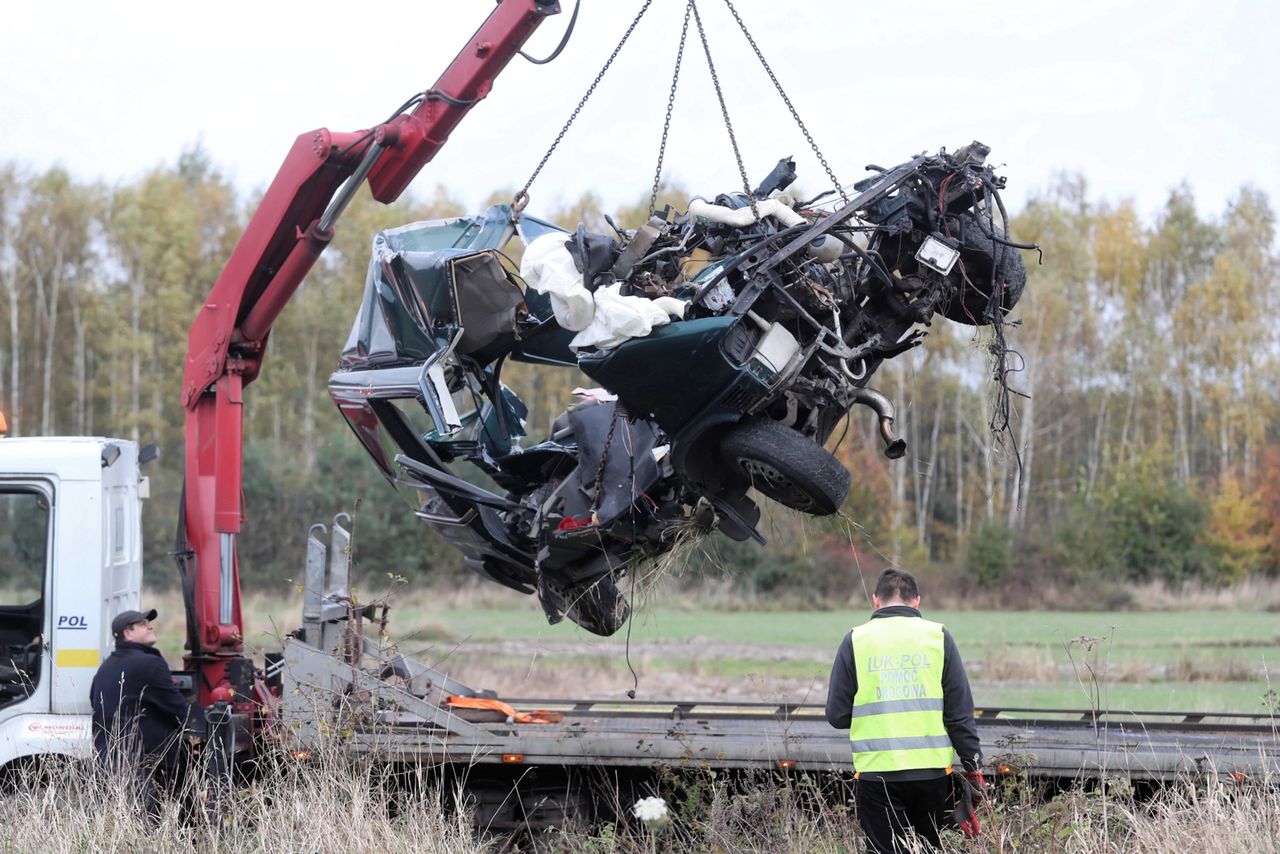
pixel 125 619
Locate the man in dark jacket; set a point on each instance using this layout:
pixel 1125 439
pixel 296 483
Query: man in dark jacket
pixel 898 685
pixel 138 713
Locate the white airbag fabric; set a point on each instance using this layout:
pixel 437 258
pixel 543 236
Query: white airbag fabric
pixel 604 319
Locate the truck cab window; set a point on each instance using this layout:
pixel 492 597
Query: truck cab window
pixel 24 544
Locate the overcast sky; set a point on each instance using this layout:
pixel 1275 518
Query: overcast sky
pixel 1136 96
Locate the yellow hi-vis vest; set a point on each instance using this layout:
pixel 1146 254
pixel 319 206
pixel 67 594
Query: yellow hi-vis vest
pixel 897 710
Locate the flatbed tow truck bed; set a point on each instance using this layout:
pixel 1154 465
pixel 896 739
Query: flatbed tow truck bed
pixel 401 708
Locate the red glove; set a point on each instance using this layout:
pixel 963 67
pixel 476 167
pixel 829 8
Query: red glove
pixel 977 786
pixel 970 793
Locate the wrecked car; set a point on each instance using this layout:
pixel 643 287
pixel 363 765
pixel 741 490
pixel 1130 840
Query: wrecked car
pixel 728 342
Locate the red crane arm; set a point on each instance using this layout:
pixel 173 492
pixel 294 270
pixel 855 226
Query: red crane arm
pixel 227 342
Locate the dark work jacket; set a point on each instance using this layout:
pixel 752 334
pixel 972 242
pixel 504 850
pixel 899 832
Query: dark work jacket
pixel 136 704
pixel 957 699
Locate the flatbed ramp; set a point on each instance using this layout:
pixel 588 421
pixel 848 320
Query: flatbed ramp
pixel 402 708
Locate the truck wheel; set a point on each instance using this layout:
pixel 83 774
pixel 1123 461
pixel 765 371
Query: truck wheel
pixel 786 466
pixel 980 256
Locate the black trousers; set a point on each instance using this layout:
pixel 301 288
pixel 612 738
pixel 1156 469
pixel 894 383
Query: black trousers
pixel 155 776
pixel 890 810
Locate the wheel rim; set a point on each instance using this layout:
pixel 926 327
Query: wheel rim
pixel 776 485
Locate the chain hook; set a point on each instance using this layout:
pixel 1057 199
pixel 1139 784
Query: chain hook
pixel 518 204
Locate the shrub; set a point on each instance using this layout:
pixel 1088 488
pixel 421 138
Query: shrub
pixel 1151 526
pixel 1234 537
pixel 988 556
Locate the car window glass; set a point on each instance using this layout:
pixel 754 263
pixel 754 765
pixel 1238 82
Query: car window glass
pixel 24 546
pixel 24 540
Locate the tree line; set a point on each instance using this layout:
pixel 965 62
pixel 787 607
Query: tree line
pixel 1144 441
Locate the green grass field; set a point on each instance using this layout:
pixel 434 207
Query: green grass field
pixel 1208 661
pixel 1148 635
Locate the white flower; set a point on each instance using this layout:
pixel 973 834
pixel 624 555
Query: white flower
pixel 650 809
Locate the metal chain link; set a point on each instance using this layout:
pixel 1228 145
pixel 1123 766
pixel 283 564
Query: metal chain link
pixel 671 102
pixel 522 197
pixel 604 460
pixel 786 100
pixel 724 111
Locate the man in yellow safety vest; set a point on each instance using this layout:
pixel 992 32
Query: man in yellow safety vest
pixel 898 685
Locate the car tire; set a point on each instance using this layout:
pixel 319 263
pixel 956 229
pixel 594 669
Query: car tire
pixel 786 466
pixel 980 256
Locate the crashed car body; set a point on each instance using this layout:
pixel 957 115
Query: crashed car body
pixel 734 339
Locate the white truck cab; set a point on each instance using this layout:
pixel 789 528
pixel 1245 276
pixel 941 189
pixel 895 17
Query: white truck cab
pixel 70 559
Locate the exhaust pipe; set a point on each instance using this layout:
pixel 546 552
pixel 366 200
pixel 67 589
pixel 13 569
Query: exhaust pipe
pixel 894 447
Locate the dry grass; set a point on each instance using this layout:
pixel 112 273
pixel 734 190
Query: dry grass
pixel 1257 593
pixel 331 804
pixel 1189 816
pixel 348 812
pixel 767 817
pixel 947 591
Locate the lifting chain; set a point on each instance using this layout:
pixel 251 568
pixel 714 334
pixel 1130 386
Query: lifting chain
pixel 522 197
pixel 671 102
pixel 724 111
pixel 604 461
pixel 795 115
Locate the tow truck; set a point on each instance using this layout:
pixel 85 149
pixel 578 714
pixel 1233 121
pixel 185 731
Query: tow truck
pixel 71 509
